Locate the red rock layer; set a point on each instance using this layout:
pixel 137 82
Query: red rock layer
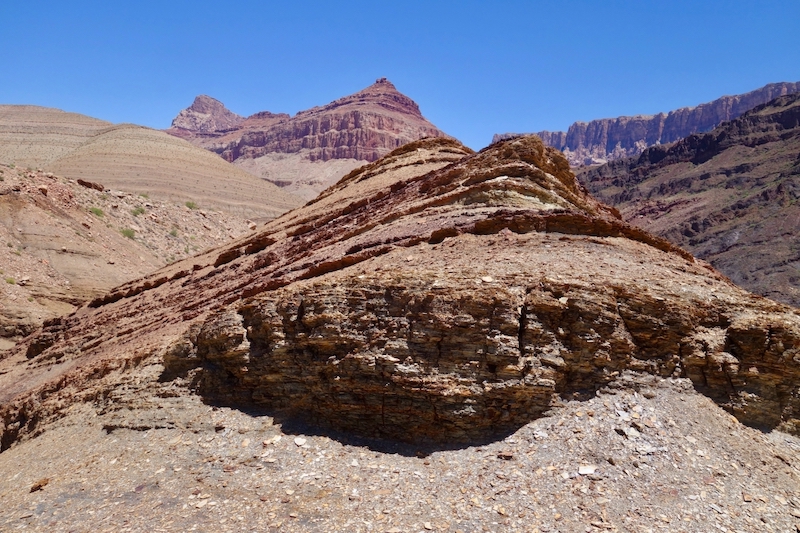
pixel 431 295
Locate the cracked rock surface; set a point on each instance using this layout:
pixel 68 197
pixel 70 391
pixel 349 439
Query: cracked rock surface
pixel 435 301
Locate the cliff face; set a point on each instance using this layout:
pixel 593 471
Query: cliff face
pixel 355 129
pixel 729 196
pixel 433 295
pixel 603 140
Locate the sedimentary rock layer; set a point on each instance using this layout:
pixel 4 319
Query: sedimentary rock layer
pixel 355 129
pixel 598 141
pixel 432 295
pixel 729 196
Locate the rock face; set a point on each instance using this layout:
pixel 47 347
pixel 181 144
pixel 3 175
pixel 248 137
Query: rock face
pixel 432 295
pixel 599 141
pixel 729 196
pixel 338 137
pixel 206 115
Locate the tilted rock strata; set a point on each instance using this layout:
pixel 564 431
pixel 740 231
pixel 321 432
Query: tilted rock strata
pixel 432 295
pixel 361 127
pixel 33 136
pixel 729 196
pixel 599 141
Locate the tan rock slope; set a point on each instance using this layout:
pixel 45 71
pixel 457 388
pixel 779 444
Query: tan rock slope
pixel 431 296
pixel 63 243
pixel 135 159
pixel 313 149
pixel 33 136
pixel 608 139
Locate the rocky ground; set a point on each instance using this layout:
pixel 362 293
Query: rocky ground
pixel 647 455
pixel 543 357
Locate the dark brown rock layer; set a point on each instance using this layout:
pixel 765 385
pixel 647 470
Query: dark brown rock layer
pixel 729 196
pixel 432 295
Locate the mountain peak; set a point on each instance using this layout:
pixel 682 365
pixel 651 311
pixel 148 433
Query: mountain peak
pixel 206 115
pixel 382 94
pixel 206 104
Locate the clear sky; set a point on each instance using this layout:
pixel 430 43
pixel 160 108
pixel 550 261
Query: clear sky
pixel 475 68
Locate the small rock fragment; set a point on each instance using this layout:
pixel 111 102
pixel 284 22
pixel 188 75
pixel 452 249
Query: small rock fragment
pixel 39 485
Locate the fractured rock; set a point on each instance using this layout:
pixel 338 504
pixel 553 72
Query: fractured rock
pixel 320 316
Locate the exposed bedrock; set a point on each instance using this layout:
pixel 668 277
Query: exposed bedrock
pixel 417 355
pixel 433 295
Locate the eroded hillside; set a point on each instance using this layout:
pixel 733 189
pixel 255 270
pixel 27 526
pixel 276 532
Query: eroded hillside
pixel 444 340
pixel 731 196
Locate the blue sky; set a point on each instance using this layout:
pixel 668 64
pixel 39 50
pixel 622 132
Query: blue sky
pixel 475 68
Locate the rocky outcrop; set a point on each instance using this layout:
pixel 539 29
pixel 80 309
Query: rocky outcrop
pixel 206 115
pixel 357 129
pixel 729 196
pixel 599 141
pixel 431 295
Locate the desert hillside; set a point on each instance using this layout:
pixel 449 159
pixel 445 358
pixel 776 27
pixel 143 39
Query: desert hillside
pixel 133 158
pixel 33 136
pixel 143 160
pixel 63 243
pixel 731 196
pixel 442 341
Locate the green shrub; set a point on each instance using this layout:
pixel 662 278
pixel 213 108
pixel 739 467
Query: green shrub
pixel 174 232
pixel 128 232
pixel 11 281
pixel 137 211
pixel 96 211
pixel 191 205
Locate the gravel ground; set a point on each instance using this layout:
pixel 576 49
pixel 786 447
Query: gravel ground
pixel 649 455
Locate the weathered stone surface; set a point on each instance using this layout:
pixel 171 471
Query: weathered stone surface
pixel 599 141
pixel 431 295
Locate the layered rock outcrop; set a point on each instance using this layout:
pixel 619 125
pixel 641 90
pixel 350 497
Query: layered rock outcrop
pixel 206 115
pixel 599 141
pixel 432 295
pixel 729 196
pixel 339 136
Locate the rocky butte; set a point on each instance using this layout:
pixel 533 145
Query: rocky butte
pixel 435 296
pixel 729 196
pixel 598 141
pixel 432 295
pixel 313 149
